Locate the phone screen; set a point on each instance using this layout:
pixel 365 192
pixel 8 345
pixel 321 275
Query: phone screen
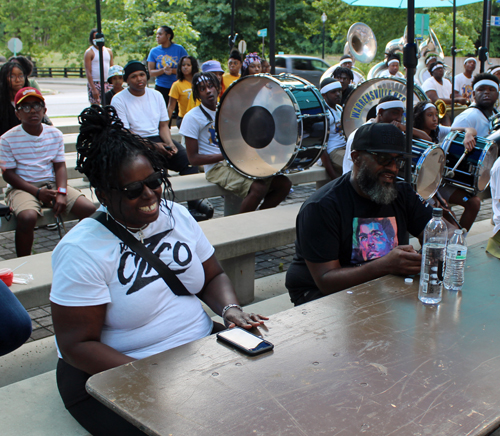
pixel 245 340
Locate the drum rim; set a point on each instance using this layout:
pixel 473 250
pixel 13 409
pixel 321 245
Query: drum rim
pixel 300 134
pixel 433 147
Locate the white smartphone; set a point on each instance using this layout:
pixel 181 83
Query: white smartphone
pixel 245 341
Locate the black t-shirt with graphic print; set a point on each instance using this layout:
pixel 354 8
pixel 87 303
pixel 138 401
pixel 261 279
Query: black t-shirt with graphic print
pixel 336 223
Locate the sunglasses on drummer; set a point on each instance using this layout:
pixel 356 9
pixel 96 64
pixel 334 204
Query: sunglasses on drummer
pixel 134 190
pixel 385 159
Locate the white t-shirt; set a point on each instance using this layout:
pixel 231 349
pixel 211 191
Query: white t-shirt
pixel 32 157
pixel 463 85
pixel 142 115
pixel 143 316
pixel 443 91
pixel 495 194
pixel 425 75
pixel 443 131
pixel 473 117
pixel 336 138
pixel 196 125
pixel 389 75
pixel 347 162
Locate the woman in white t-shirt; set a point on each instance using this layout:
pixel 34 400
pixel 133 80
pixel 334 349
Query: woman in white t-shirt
pixel 109 306
pixel 426 119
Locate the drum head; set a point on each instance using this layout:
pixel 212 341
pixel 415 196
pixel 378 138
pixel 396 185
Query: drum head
pixel 259 125
pixel 429 171
pixel 483 177
pixel 367 95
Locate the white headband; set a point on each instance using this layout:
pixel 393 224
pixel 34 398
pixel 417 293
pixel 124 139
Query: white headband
pixel 393 61
pixel 429 105
pixel 430 59
pixel 486 82
pixel 345 61
pixel 393 104
pixel 437 66
pixel 331 86
pixel 470 59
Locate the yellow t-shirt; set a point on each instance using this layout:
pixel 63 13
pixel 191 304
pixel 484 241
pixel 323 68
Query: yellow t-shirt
pixel 227 79
pixel 181 91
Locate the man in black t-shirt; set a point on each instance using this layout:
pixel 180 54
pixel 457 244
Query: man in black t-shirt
pixel 355 228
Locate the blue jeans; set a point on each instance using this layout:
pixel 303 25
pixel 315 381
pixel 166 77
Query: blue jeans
pixel 15 323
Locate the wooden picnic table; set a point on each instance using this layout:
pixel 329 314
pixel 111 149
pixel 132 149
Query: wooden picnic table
pixel 370 360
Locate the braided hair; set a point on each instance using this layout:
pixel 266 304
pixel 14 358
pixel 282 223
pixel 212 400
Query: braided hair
pixel 208 78
pixel 104 145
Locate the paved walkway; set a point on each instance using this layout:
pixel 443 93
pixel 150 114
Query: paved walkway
pixel 267 262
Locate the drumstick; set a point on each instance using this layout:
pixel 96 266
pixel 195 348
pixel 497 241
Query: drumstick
pixel 451 173
pixel 443 204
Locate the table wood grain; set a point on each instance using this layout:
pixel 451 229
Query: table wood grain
pixel 371 360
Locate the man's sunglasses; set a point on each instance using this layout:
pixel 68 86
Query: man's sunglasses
pixel 27 107
pixel 134 189
pixel 385 159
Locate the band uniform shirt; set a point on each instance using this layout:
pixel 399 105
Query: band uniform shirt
pixel 473 117
pixel 195 125
pixel 336 138
pixel 329 227
pixel 442 91
pixel 166 56
pixel 141 115
pixel 463 85
pixel 32 157
pixel 143 316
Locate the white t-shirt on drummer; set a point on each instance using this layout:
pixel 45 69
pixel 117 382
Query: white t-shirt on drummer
pixel 387 74
pixel 495 195
pixel 196 125
pixel 336 138
pixel 473 117
pixel 92 267
pixel 463 85
pixel 347 163
pixel 443 91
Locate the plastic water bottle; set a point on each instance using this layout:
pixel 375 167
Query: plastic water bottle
pixel 433 253
pixel 456 252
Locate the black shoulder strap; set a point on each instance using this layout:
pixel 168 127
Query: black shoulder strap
pixel 154 261
pixel 482 111
pixel 207 115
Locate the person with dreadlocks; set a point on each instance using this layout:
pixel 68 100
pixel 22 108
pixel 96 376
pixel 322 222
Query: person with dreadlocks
pixel 203 149
pixel 109 305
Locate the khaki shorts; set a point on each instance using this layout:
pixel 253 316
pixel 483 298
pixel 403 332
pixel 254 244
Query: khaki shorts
pixel 337 158
pixel 228 178
pixel 20 200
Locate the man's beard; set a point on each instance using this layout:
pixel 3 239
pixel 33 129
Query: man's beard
pixel 377 191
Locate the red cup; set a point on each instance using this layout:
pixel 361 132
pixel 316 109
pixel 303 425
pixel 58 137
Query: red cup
pixel 6 275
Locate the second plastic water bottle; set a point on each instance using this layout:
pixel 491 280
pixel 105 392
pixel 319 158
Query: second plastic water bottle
pixel 456 252
pixel 433 251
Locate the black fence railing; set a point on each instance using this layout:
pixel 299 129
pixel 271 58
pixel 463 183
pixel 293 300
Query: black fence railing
pixel 58 72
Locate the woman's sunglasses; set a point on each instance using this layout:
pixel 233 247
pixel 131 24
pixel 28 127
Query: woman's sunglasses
pixel 134 189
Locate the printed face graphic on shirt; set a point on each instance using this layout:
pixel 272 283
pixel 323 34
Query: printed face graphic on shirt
pixel 373 238
pixel 135 270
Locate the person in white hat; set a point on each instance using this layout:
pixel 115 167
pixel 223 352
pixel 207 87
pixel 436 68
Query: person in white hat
pixel 115 78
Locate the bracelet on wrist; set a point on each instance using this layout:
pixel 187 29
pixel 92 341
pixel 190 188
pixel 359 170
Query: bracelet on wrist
pixel 38 194
pixel 230 306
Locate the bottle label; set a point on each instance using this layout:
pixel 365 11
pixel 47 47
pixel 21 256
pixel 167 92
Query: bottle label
pixel 455 253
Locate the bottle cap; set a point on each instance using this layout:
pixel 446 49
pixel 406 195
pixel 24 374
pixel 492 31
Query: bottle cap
pixel 437 212
pixel 408 280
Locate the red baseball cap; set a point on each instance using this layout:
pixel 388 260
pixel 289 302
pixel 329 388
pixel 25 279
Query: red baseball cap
pixel 27 92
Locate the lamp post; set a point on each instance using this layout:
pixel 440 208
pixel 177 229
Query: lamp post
pixel 323 20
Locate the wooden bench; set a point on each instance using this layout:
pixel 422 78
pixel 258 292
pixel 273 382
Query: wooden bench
pixel 191 187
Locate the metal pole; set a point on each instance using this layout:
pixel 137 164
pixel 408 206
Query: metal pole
pixel 323 51
pixel 231 42
pixel 410 62
pixel 453 56
pixel 272 34
pixel 100 44
pixel 485 34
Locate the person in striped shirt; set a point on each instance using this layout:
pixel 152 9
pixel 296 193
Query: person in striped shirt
pixel 34 166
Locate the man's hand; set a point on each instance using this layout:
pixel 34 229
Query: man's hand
pixel 400 126
pixel 47 196
pixel 59 204
pixel 167 149
pixel 403 260
pixel 469 142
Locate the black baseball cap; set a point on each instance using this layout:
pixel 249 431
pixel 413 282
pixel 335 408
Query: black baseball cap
pixel 380 137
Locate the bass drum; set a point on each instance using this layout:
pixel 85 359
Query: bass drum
pixel 367 95
pixel 473 173
pixel 427 166
pixel 271 125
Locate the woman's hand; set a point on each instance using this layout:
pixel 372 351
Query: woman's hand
pixel 236 317
pixel 167 70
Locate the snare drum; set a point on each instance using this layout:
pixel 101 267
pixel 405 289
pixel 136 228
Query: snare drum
pixel 427 166
pixel 271 125
pixel 473 173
